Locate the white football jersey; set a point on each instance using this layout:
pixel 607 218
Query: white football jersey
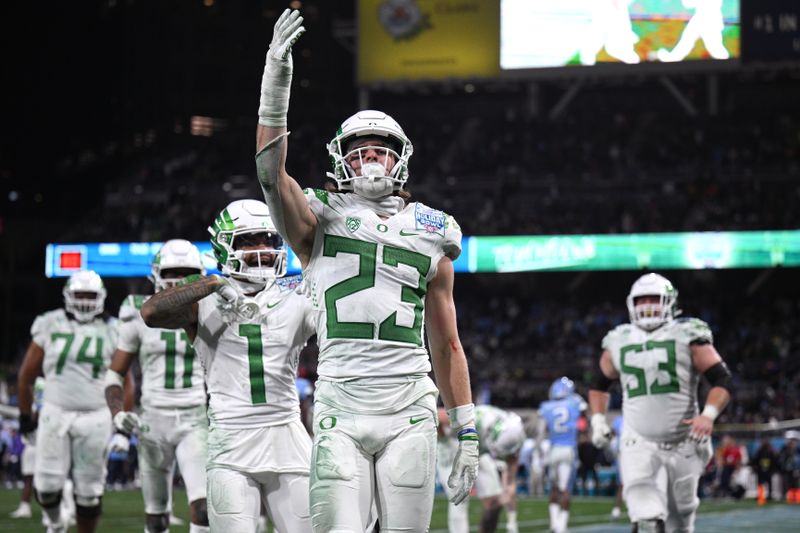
pixel 76 356
pixel 171 378
pixel 251 366
pixel 367 279
pixel 658 378
pixel 489 421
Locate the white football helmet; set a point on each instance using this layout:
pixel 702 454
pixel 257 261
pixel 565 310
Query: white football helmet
pixel 650 316
pixel 372 180
pixel 84 308
pixel 232 228
pixel 175 253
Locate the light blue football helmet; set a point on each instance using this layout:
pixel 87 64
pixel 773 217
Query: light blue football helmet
pixel 561 388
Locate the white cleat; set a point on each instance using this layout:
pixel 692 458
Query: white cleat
pixel 23 511
pixel 615 513
pixel 175 521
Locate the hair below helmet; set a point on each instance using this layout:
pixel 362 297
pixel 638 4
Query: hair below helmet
pixel 81 307
pixel 561 388
pixel 652 315
pixel 240 220
pixel 175 254
pixel 372 176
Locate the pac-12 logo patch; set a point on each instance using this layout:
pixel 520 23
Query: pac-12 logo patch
pixel 431 220
pixel 352 223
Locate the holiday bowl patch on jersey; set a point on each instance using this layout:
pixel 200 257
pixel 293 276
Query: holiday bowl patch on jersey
pixel 430 220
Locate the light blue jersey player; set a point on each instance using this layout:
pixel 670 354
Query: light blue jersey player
pixel 560 415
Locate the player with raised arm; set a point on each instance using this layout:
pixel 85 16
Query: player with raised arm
pixel 659 359
pixel 376 269
pixel 173 424
pixel 72 347
pixel 247 328
pixel 559 416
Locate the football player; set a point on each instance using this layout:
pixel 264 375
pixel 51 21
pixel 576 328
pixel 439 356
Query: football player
pixel 173 424
pixel 247 327
pixel 376 269
pixel 665 443
pixel 72 347
pixel 559 416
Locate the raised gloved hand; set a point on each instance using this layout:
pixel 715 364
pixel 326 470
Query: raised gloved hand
pixel 601 432
pixel 119 443
pixel 235 305
pixel 277 79
pixel 465 464
pixel 126 421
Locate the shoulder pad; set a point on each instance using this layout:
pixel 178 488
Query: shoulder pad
pixel 131 306
pixel 319 194
pixel 696 330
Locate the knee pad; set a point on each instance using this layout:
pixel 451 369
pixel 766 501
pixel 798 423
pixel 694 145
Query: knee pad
pixel 685 492
pixel 409 461
pixel 334 458
pixel 48 499
pixel 200 511
pixel 88 506
pixel 157 523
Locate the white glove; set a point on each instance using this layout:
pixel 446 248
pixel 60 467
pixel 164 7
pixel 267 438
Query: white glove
pixel 277 79
pixel 235 305
pixel 119 443
pixel 465 464
pixel 126 421
pixel 601 433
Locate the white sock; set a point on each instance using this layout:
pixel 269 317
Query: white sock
pixel 194 528
pixel 458 518
pixel 563 518
pixel 554 509
pixel 511 517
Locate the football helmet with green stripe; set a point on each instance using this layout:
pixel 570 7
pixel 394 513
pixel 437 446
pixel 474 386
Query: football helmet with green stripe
pixel 175 254
pixel 370 169
pixel 647 313
pixel 84 295
pixel 246 243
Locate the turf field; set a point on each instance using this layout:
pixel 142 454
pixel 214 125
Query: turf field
pixel 123 512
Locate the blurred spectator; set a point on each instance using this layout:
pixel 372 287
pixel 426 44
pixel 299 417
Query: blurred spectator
pixel 789 461
pixel 730 458
pixel 765 464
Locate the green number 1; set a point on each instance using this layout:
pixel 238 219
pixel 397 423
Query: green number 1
pixel 252 332
pixel 170 338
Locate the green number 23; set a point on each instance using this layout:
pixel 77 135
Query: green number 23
pixel 656 387
pixel 367 264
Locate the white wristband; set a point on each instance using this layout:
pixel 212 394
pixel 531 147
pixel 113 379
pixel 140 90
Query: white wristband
pixel 461 416
pixel 113 378
pixel 710 411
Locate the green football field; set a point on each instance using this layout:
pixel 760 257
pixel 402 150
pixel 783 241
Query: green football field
pixel 123 512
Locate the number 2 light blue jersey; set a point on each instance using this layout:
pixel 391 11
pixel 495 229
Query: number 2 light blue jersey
pixel 562 417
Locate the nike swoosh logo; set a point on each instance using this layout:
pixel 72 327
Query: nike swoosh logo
pixel 413 420
pixel 273 304
pixel 404 233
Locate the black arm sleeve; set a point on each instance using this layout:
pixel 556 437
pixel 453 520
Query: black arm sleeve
pixel 719 376
pixel 601 382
